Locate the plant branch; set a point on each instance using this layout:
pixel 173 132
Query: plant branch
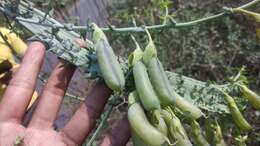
pixel 137 29
pixel 106 115
pixel 179 25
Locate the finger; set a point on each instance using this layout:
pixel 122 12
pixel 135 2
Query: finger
pixel 20 89
pixel 84 119
pixel 52 96
pixel 119 135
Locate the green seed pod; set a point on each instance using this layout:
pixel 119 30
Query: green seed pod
pixel 251 96
pixel 160 82
pixel 218 137
pixel 189 109
pixel 165 92
pixel 176 130
pixel 137 141
pixel 108 63
pixel 161 126
pixel 142 127
pixel 197 135
pixel 236 114
pixel 144 87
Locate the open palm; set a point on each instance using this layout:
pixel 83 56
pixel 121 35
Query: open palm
pixel 40 131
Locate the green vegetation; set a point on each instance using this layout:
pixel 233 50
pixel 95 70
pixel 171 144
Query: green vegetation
pixel 212 52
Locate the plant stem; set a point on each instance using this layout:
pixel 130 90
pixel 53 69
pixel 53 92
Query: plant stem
pixel 178 25
pixel 101 124
pixel 137 29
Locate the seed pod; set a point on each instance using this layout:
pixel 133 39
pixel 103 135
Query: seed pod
pixel 133 98
pixel 176 130
pixel 142 127
pixel 218 137
pixel 137 141
pixel 108 63
pixel 144 87
pixel 165 92
pixel 197 135
pixel 161 126
pixel 236 114
pixel 251 96
pixel 159 123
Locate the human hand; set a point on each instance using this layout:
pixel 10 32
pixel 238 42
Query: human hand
pixel 40 131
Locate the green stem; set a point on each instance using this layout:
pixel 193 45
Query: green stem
pixel 178 25
pixel 166 15
pixel 101 125
pixel 137 29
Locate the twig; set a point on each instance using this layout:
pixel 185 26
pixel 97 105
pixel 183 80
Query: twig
pixel 106 115
pixel 137 29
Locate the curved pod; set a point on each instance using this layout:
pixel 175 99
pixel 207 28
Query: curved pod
pixel 142 127
pixel 176 130
pixel 107 60
pixel 109 66
pixel 165 92
pixel 251 96
pixel 236 114
pixel 144 87
pixel 197 135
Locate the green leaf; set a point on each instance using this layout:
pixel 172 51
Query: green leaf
pixel 198 92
